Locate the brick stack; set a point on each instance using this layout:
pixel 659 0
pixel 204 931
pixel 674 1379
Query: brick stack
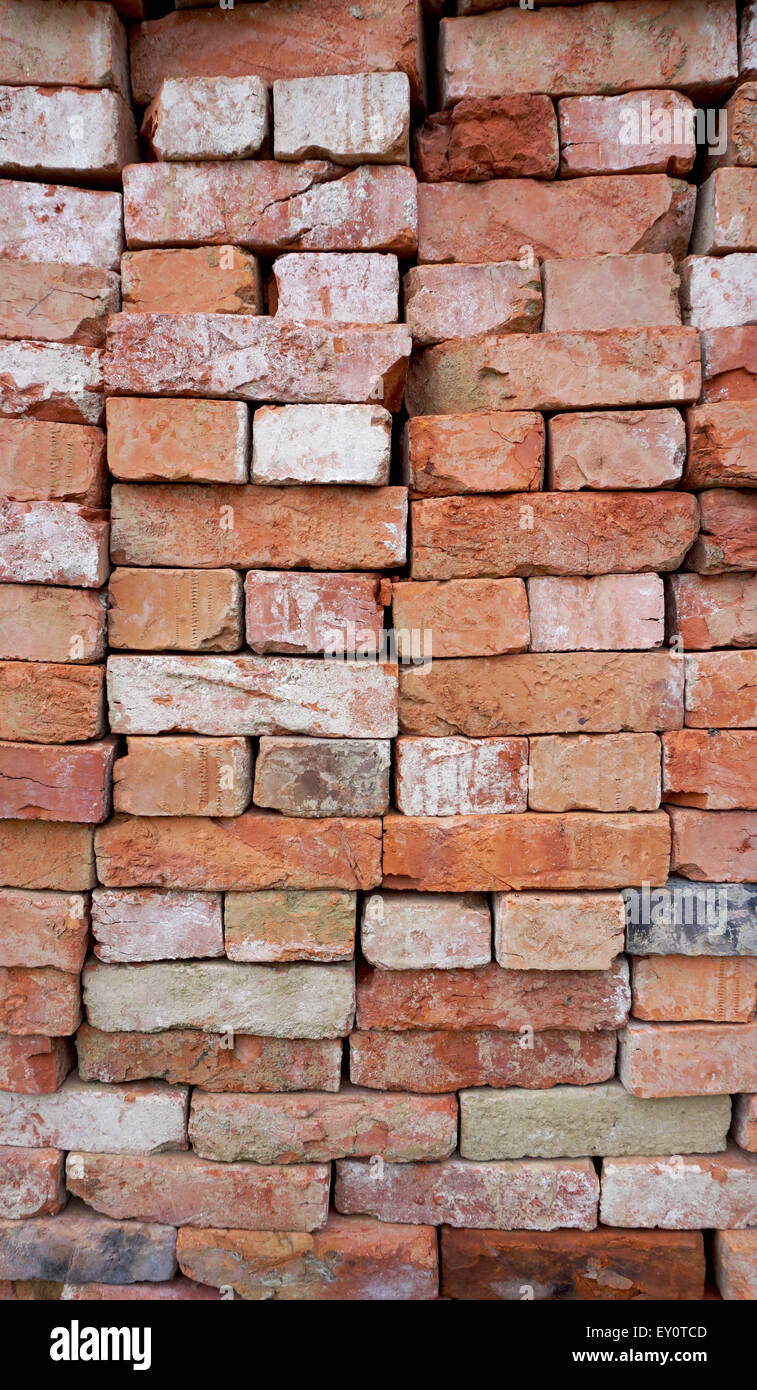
pixel 422 937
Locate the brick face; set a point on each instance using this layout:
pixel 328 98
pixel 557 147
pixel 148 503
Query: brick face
pixel 378 629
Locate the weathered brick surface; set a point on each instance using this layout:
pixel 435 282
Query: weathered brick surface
pixel 80 1246
pixel 462 301
pixel 323 777
pixel 311 613
pixel 201 280
pixel 47 854
pixel 680 989
pixel 745 1121
pixel 66 133
pixel 680 1193
pixel 460 776
pixel 501 137
pixel 144 924
pixel 184 610
pixel 581 772
pixel 183 777
pixel 41 460
pixel 490 451
pixel 59 303
pixel 718 610
pixel 558 931
pixel 464 617
pixel 201 117
pixel 726 219
pixel 286 924
pixel 52 381
pixel 735 1256
pixel 713 845
pixel 177 440
pixel 728 364
pixel 606 292
pixel 63 45
pixel 687 1059
pixel 717 293
pixel 31 1182
pixel 352 119
pixel 615 449
pixel 613 135
pixel 50 222
pixel 411 931
pixel 441 1060
pixel 710 768
pixel 142 1118
pixel 32 1064
pixel 44 702
pixel 57 783
pixel 728 536
pixel 349 288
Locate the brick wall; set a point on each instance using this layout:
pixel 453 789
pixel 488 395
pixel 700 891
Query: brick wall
pixel 378 650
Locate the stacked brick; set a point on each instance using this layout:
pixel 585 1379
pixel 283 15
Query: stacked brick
pixel 398 886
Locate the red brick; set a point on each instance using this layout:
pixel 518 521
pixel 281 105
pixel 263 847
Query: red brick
pixel 263 526
pixel 309 613
pixel 726 218
pixel 505 219
pixel 502 137
pixel 150 925
pixel 281 924
pixel 563 533
pixel 494 451
pixel 613 612
pixel 558 931
pixel 356 118
pixel 53 543
pixel 615 449
pixel 684 989
pixel 44 928
pixel 322 443
pixel 463 301
pixel 43 461
pixel 711 768
pixel 33 1065
pixel 63 45
pixel 47 222
pixel 40 782
pixel 200 441
pixel 460 776
pixel 175 610
pixel 745 1121
pixel 46 854
pixel 719 693
pixel 323 777
pixel 728 537
pixel 559 1266
pixel 718 610
pixel 603 292
pixel 66 133
pixel 39 1001
pixel 740 120
pixel 256 850
pixel 52 381
pixel 145 1118
pixel 722 445
pixel 352 1258
pixel 414 931
pixel 597 133
pixel 680 1193
pixel 350 288
pixel 57 303
pixel 714 846
pixel 183 777
pixel 214 1062
pixel 460 617
pixel 169 1290
pixel 180 1189
pixel 44 702
pixel 491 853
pixel 206 280
pixel 312 1128
pixel 687 1059
pixel 585 772
pixel 718 292
pixel 729 362
pixel 735 1261
pixel 434 1060
pixel 207 118
pixel 31 1182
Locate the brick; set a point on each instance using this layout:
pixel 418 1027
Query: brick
pixel 507 219
pixel 43 929
pixel 728 536
pixel 745 1121
pixel 713 610
pixel 311 1128
pixel 718 693
pixel 685 989
pixel 43 782
pixel 46 222
pixel 143 1118
pixel 680 1193
pixel 735 1261
pixel 169 1290
pixel 558 931
pixel 283 924
pixel 494 451
pixel 709 768
pixel 270 207
pixel 322 444
pixel 310 613
pixel 175 610
pixel 352 288
pixel 729 367
pixel 69 45
pixel 144 924
pixel 53 543
pixel 713 845
pixel 556 371
pixel 740 130
pixel 603 292
pixel 578 1121
pixel 66 133
pixel 44 461
pixel 465 537
pixel 31 1183
pixel 301 40
pixel 305 1001
pixel 47 854
pixel 462 301
pixel 179 1189
pixel 615 449
pixel 58 303
pixel 323 777
pixel 646 132
pixel 455 1192
pixel 538 693
pixel 352 1258
pixel 153 694
pixel 247 358
pixel 200 441
pixel 460 776
pixel 262 526
pixel 433 1060
pixel 718 293
pixel 353 119
pixel 613 612
pixel 31 1065
pixel 693 48
pixel 683 918
pixel 461 617
pixel 38 1001
pixel 489 997
pixel 411 931
pixel 255 850
pixel 562 1266
pixel 43 702
pixel 199 280
pixel 52 381
pixel 687 1059
pixel 207 118
pixel 463 854
pixel 748 42
pixel 721 445
pixel 581 772
pixel 79 1246
pixel 183 777
pixel 503 137
pixel 217 1063
pixel 725 218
